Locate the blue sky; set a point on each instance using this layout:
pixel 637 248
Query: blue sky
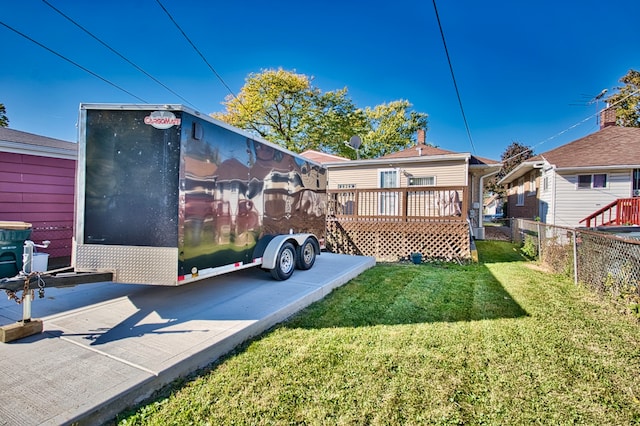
pixel 525 70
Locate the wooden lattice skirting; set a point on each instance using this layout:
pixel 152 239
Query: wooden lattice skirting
pixel 394 241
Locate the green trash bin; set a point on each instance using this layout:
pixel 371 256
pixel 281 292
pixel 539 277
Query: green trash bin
pixel 12 238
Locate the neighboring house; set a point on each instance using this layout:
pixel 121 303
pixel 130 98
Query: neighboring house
pixel 493 206
pixel 422 201
pixel 37 180
pixel 575 180
pixel 420 165
pixel 522 190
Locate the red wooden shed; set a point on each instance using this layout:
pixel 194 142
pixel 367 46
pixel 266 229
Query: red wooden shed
pixel 37 180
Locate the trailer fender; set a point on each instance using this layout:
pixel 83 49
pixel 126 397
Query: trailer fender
pixel 271 251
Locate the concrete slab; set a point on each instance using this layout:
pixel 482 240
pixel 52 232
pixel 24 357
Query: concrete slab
pixel 107 346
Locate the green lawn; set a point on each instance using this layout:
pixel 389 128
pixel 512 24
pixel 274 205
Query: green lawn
pixel 498 342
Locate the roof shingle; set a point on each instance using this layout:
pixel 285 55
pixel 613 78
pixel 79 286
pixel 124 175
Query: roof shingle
pixel 611 146
pixel 424 150
pixel 418 151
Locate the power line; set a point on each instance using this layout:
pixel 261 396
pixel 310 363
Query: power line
pixel 117 53
pixel 596 114
pixel 196 49
pixel 72 62
pixel 453 77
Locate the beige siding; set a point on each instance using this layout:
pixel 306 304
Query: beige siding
pixel 361 177
pixel 572 204
pixel 447 173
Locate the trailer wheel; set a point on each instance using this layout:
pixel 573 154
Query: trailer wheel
pixel 306 255
pixel 285 262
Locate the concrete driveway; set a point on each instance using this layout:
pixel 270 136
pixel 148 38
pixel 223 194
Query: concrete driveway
pixel 107 346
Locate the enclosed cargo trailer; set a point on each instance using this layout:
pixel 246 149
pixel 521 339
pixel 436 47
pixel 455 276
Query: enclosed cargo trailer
pixel 166 196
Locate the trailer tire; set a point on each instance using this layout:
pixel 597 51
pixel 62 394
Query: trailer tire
pixel 306 255
pixel 285 262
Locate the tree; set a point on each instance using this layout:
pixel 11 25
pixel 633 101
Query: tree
pixel 627 100
pixel 512 156
pixel 392 127
pixel 332 120
pixel 4 120
pixel 285 108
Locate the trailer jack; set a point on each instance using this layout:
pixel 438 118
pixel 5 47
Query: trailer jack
pixel 27 326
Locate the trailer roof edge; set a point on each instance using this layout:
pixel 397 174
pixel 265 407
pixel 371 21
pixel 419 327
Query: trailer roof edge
pixel 207 117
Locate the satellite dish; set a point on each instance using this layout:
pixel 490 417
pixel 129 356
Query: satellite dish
pixel 355 142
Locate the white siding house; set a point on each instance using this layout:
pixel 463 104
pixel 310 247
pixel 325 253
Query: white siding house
pixel 579 200
pixel 583 176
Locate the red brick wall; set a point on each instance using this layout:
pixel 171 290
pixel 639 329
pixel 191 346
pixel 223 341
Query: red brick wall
pixel 40 190
pixel 530 209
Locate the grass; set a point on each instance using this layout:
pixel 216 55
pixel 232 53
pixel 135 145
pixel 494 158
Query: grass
pixel 492 343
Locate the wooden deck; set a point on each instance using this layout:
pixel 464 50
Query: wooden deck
pixel 391 224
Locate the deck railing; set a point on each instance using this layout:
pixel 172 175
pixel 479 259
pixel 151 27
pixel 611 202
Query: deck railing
pixel 412 204
pixel 623 211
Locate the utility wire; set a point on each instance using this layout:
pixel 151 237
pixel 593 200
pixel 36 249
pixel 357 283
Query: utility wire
pixel 196 49
pixel 72 62
pixel 240 103
pixel 596 114
pixel 117 53
pixel 453 77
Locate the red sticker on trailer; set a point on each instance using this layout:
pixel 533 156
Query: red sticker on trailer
pixel 162 120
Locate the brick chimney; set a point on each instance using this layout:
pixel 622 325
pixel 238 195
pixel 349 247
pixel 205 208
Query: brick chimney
pixel 607 117
pixel 422 137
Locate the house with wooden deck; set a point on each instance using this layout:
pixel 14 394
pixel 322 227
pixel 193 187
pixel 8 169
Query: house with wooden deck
pixel 422 199
pixel 592 181
pixel 37 180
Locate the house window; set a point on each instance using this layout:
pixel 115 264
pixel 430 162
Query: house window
pixel 592 181
pixel 532 184
pixel 388 178
pixel 584 181
pixel 545 184
pixel 422 181
pixel 520 192
pixel 600 181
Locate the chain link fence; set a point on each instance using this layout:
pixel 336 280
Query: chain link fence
pixel 606 262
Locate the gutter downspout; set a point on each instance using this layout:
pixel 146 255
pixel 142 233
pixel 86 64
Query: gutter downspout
pixel 540 166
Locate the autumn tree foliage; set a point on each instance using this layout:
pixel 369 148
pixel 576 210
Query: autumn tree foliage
pixel 627 100
pixel 286 108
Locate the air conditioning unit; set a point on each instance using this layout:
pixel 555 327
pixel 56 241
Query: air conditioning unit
pixel 636 192
pixel 478 233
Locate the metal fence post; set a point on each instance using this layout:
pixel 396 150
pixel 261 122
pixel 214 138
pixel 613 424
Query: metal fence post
pixel 539 242
pixel 575 256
